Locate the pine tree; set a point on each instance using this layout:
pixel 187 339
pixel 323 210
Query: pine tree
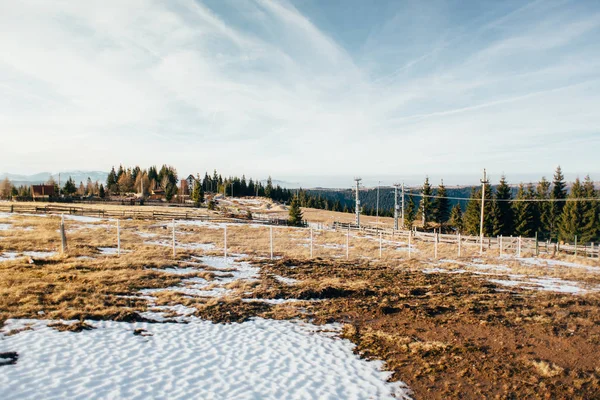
pixel 544 209
pixel 70 187
pixel 589 230
pixel 442 206
pixel 111 181
pixel 409 213
pixel 471 218
pixel 426 206
pixel 196 194
pixel 295 213
pixel 456 220
pixel 502 214
pixel 559 192
pixel 101 192
pixel 523 211
pixel 269 188
pixel 572 214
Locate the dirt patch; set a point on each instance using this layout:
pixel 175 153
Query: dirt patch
pixel 8 358
pixel 74 327
pixel 445 335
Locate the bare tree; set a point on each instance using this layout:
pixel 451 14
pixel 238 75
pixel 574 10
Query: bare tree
pixel 5 189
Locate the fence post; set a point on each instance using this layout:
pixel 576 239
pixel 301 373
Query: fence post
pixel 575 246
pixel 271 240
pixel 501 245
pixel 459 244
pixel 311 242
pixel 63 236
pixel 519 247
pixel 119 237
pixel 537 248
pixel 380 243
pixel 435 246
pixel 174 251
pixel 348 243
pixel 592 250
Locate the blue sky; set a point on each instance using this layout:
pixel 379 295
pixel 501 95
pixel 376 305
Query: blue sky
pixel 304 88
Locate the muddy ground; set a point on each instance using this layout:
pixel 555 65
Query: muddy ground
pixel 445 335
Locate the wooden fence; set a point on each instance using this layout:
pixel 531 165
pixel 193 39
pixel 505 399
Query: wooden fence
pixel 504 245
pixel 141 213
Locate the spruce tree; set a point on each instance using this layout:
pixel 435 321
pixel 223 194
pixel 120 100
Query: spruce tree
pixel 471 218
pixel 456 220
pixel 572 214
pixel 295 213
pixel 544 208
pixel 426 206
pixel 196 194
pixel 269 188
pixel 111 181
pixel 409 213
pixel 523 211
pixel 502 214
pixel 442 206
pixel 589 229
pixel 70 187
pixel 559 192
pixel 101 192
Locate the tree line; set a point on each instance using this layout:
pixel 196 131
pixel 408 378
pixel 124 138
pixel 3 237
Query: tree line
pixel 547 209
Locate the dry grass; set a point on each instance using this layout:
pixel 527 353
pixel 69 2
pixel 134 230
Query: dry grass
pixel 546 369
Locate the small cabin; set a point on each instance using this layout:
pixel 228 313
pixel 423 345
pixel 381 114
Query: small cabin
pixel 42 191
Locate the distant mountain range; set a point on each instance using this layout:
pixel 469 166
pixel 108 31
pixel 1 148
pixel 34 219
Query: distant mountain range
pixel 42 177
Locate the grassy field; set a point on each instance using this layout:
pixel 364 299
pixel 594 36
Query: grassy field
pixel 441 325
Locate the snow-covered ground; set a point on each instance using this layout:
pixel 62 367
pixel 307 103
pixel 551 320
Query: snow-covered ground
pixel 259 359
pixel 501 274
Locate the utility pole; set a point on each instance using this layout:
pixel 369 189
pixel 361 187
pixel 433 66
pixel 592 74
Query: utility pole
pixel 357 202
pixel 402 203
pixel 396 207
pixel 484 182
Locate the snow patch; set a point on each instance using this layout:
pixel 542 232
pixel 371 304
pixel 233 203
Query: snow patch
pixel 263 359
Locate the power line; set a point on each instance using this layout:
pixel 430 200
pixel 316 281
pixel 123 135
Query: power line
pixel 506 200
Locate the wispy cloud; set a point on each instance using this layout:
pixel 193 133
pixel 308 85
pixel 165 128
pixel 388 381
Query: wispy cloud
pixel 259 86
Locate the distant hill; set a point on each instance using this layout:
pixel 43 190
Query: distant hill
pixel 78 176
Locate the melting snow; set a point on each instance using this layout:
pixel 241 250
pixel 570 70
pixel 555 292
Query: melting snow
pixel 259 359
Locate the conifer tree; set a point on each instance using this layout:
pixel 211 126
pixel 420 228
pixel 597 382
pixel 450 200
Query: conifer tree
pixel 295 213
pixel 572 214
pixel 442 206
pixel 471 218
pixel 523 210
pixel 502 214
pixel 409 213
pixel 70 187
pixel 426 206
pixel 456 219
pixel 559 192
pixel 196 194
pixel 101 192
pixel 269 188
pixel 590 212
pixel 544 209
pixel 111 181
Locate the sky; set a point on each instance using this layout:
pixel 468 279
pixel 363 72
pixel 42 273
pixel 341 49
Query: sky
pixel 302 90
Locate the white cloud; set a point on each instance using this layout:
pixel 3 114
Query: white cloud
pixel 258 88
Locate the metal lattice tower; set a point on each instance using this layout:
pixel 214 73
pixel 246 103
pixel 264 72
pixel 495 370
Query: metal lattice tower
pixel 357 201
